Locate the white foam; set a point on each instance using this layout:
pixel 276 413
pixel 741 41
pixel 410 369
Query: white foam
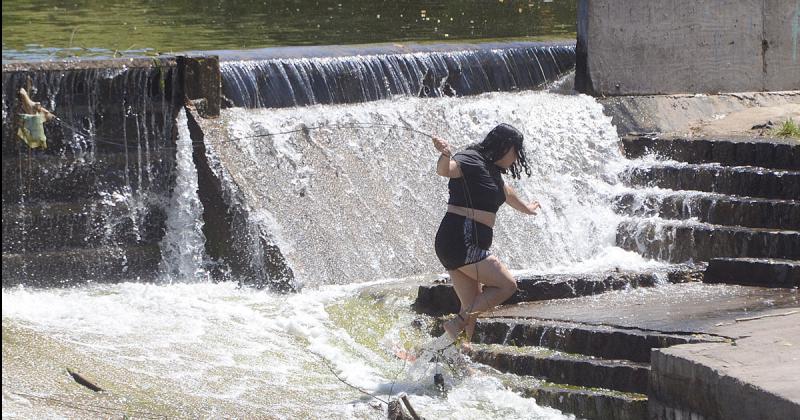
pixel 353 204
pixel 247 347
pixel 183 246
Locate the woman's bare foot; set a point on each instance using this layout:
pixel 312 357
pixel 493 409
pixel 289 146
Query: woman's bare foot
pixel 454 326
pixel 469 328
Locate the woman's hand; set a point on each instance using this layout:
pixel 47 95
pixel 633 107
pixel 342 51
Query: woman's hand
pixel 441 146
pixel 515 202
pixel 533 207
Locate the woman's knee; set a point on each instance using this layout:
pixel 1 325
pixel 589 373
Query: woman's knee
pixel 510 286
pixel 507 281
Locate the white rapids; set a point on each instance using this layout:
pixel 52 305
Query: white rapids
pixel 354 212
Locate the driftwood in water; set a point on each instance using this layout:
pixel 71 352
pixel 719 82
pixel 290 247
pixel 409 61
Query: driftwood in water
pixel 396 411
pixel 413 413
pixel 83 381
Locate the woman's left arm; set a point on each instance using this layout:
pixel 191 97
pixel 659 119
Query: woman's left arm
pixel 514 201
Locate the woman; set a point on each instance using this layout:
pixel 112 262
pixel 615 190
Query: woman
pixel 477 191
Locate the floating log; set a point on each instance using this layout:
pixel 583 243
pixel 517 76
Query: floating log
pixel 395 411
pixel 83 381
pixel 413 413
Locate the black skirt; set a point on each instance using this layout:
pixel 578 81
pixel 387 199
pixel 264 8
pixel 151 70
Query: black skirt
pixel 462 241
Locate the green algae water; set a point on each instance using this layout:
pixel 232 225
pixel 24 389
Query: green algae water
pixel 219 351
pixel 50 29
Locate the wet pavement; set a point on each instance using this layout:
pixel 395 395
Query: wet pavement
pixel 692 307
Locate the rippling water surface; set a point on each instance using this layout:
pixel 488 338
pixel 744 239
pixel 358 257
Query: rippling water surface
pixel 46 29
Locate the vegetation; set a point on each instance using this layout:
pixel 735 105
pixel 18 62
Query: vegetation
pixel 789 128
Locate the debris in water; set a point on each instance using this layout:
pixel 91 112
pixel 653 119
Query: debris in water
pixel 83 381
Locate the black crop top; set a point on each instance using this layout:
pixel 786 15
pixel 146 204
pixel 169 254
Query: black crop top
pixel 484 180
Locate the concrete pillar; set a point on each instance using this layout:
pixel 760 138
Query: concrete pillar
pixel 201 82
pixel 634 47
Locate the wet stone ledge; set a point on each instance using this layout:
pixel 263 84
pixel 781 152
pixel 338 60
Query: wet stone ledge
pixel 439 299
pixel 571 369
pixel 741 181
pixel 589 404
pixel 765 153
pixel 714 209
pixel 678 243
pixel 754 272
pixel 593 340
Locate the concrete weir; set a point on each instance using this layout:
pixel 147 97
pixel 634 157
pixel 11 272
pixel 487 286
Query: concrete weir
pixel 103 184
pixel 654 342
pixel 683 342
pixel 693 344
pixel 90 207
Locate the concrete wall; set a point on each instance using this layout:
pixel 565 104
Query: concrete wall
pixel 634 47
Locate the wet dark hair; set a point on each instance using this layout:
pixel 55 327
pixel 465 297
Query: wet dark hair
pixel 496 145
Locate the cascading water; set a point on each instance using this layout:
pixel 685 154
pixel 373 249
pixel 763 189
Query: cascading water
pixel 288 82
pixel 352 201
pixel 354 196
pixel 183 245
pixel 91 206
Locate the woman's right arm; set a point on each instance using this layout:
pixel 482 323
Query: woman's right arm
pixel 446 166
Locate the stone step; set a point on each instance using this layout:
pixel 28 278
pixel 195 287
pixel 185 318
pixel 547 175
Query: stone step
pixel 753 272
pixel 712 208
pixel 53 178
pixel 81 265
pixel 565 368
pixel 89 224
pixel 766 153
pixel 440 299
pixel 747 181
pixel 676 241
pixel 592 340
pixel 584 402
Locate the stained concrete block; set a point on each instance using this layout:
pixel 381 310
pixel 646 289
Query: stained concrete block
pixel 202 82
pixel 631 47
pixel 781 45
pixel 754 379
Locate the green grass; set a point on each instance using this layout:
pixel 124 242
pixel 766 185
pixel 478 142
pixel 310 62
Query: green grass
pixel 788 129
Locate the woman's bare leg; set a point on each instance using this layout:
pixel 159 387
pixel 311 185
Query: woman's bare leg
pixel 466 289
pixel 499 284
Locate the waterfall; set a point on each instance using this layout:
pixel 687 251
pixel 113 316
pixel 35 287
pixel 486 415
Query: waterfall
pixel 91 206
pixel 288 82
pixel 351 194
pixel 183 246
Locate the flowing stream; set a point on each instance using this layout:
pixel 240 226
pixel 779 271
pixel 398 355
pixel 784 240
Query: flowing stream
pixel 353 203
pixel 352 194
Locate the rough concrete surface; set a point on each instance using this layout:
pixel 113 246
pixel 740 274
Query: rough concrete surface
pixel 634 47
pixel 731 115
pixel 690 307
pixel 757 378
pixel 754 376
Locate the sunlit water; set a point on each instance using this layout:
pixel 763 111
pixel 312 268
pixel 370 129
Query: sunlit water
pixel 353 195
pixel 215 349
pixel 182 248
pixel 346 206
pixel 49 29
